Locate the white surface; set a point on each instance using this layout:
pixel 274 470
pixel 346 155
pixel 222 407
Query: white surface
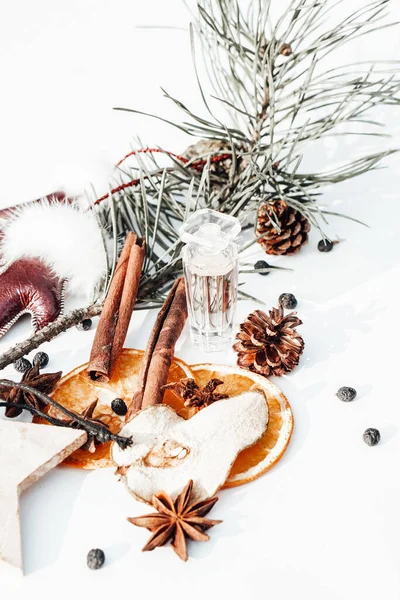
pixel 324 523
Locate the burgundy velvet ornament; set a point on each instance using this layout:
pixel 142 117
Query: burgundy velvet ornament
pixel 45 246
pixel 29 286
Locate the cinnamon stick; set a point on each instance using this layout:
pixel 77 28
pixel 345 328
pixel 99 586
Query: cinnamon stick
pixel 160 349
pixel 118 306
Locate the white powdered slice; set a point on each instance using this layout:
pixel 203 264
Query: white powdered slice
pixel 168 450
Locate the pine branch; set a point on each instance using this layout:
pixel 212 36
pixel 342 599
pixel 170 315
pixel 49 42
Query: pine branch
pixel 278 97
pixel 266 77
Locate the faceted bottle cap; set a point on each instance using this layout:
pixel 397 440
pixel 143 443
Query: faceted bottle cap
pixel 210 229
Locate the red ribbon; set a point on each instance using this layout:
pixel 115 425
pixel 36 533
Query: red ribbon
pixel 197 166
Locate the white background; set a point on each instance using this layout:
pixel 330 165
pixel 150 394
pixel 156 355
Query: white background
pixel 324 523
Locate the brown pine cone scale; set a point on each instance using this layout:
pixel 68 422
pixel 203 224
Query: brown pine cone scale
pixel 269 344
pixel 292 233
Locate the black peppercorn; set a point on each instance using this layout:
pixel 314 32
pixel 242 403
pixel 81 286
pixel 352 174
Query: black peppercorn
pixel 95 558
pixel 119 407
pixel 288 301
pixel 22 364
pixel 84 325
pixel 41 360
pixel 262 264
pixel 325 245
pixel 346 394
pixel 371 436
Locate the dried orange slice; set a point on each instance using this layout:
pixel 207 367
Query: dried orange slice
pixel 257 459
pixel 77 391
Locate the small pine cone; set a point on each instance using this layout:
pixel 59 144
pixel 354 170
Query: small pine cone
pixel 215 148
pixel 269 344
pixel 293 233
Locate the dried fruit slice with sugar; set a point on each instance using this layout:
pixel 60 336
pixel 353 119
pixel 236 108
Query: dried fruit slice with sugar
pixel 256 460
pixel 170 449
pixel 135 464
pixel 77 391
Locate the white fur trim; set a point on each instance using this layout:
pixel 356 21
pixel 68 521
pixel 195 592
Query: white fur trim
pixel 65 236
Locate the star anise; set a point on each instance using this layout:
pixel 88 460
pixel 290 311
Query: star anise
pixel 43 382
pixel 193 395
pixel 177 521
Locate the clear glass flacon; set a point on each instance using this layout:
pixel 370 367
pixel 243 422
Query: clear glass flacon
pixel 210 262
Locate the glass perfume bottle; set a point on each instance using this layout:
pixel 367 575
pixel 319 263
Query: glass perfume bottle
pixel 210 263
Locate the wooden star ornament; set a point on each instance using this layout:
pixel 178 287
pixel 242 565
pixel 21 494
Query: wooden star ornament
pixel 27 453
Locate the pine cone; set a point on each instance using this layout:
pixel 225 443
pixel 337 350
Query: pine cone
pixel 294 228
pixel 269 344
pixel 219 168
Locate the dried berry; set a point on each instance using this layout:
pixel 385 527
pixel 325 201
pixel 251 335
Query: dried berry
pixel 95 558
pixel 288 301
pixel 84 325
pixel 119 407
pixel 22 364
pixel 346 394
pixel 325 245
pixel 371 436
pixel 41 360
pixel 262 264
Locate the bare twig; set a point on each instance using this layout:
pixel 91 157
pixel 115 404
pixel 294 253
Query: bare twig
pixel 48 333
pixel 96 430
